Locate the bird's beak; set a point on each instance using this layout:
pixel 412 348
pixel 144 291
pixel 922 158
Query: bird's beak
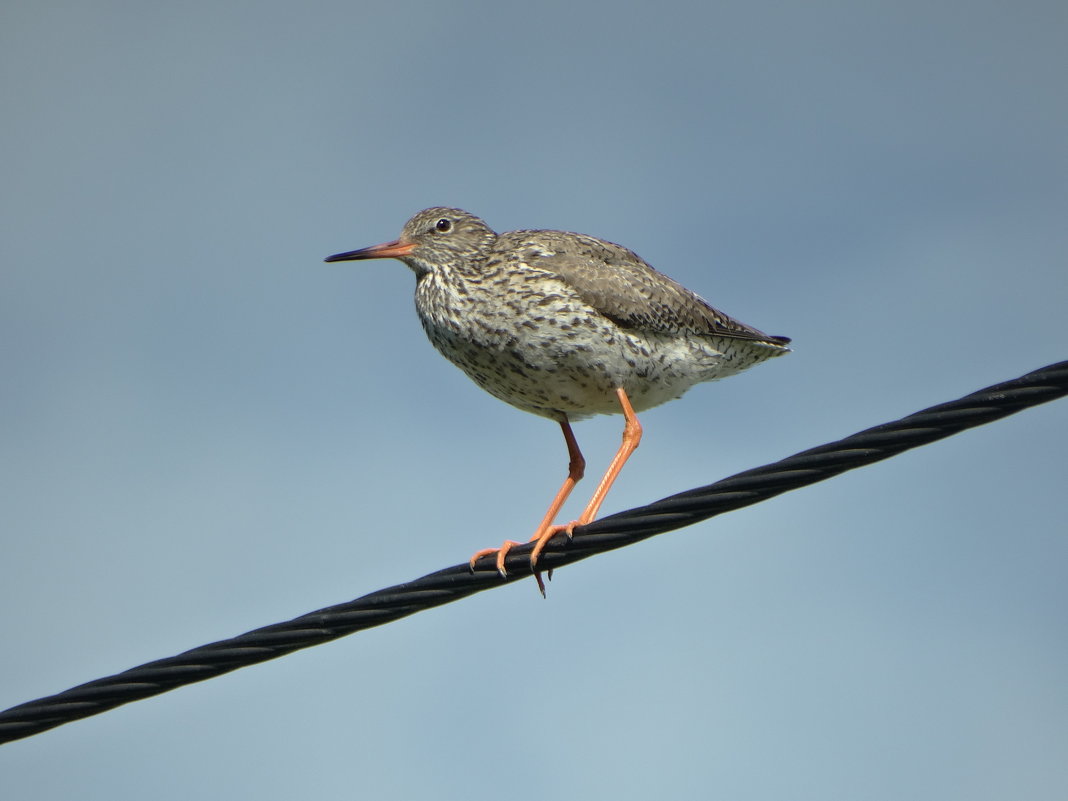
pixel 387 250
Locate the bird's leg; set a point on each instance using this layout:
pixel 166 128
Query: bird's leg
pixel 632 436
pixel 576 468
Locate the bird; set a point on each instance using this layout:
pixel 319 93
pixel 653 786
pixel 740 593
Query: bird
pixel 565 326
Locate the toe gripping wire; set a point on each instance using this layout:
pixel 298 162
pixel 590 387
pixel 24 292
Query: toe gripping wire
pixel 616 531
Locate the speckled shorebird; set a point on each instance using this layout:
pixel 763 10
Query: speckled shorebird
pixel 564 326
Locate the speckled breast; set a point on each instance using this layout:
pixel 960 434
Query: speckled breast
pixel 536 346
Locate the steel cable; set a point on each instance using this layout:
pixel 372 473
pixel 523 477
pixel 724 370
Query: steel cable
pixel 453 583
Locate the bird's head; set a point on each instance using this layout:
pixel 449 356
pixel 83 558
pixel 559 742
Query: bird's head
pixel 434 238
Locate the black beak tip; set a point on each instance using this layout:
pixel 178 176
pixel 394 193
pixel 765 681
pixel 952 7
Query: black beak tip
pixel 348 256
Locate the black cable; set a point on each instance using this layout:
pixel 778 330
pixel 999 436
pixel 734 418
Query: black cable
pixel 615 531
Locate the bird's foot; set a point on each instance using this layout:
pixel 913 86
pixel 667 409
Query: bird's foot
pixel 543 539
pixel 540 538
pixel 502 554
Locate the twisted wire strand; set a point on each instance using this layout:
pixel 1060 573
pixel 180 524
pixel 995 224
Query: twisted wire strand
pixel 616 531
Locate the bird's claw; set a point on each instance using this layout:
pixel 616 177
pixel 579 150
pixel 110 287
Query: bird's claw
pixel 502 554
pixel 541 539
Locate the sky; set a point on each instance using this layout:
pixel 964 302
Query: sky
pixel 205 429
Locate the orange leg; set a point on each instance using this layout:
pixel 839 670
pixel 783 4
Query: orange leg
pixel 632 436
pixel 575 470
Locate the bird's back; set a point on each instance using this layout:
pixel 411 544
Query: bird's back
pixel 621 286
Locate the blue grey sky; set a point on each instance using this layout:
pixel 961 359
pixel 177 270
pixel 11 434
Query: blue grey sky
pixel 205 429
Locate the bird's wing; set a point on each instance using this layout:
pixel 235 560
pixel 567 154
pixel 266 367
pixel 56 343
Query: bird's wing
pixel 622 287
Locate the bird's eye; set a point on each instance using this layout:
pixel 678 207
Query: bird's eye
pixel 444 225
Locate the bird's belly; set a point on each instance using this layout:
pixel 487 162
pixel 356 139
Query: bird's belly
pixel 555 370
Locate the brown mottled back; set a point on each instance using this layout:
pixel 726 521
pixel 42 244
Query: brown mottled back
pixel 620 285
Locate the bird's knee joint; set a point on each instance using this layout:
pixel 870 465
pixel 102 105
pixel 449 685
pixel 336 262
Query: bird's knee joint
pixel 577 469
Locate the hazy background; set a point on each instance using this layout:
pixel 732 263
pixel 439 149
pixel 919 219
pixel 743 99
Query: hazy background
pixel 205 429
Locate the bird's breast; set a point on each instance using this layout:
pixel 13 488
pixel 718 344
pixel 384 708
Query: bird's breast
pixel 542 349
